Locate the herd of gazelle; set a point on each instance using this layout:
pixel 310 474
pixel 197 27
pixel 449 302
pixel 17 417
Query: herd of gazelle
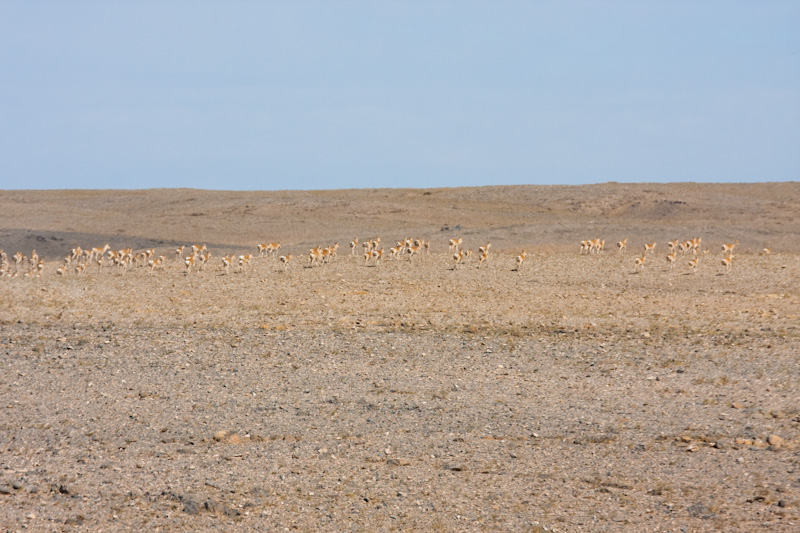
pixel 197 256
pixel 691 246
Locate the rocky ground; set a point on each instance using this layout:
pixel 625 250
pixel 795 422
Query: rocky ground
pixel 573 394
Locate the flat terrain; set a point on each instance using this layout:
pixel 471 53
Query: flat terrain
pixel 575 393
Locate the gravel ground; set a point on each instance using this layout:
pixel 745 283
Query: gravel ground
pixel 575 394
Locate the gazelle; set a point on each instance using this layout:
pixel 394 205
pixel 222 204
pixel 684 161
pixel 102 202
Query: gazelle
pixel 765 251
pixel 284 259
pixel 262 250
pixel 727 262
pixel 179 251
pixel 673 245
pixel 483 258
pixel 458 258
pixel 226 263
pixel 622 245
pixel 197 248
pixel 375 256
pixel 156 263
pixel 411 251
pixel 244 262
pixel 693 264
pixel 315 256
pixel 205 257
pixel 639 262
pixel 455 244
pixel 353 246
pixel 595 246
pixel 189 263
pixel 695 244
pixel 521 259
pixel 99 251
pixel 649 247
pixel 585 247
pixel 729 247
pixel 671 260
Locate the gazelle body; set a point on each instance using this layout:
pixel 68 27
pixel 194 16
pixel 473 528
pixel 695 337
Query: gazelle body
pixel 727 262
pixel 284 259
pixel 728 248
pixel 521 259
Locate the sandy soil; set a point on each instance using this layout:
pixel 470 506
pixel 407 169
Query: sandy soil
pixel 574 394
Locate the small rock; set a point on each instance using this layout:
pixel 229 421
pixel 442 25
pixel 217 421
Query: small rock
pixel 191 507
pixel 5 489
pixel 228 437
pixel 75 521
pixel 699 510
pixel 775 441
pixel 737 405
pixel 213 507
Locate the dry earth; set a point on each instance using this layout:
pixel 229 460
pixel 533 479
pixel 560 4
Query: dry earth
pixel 574 394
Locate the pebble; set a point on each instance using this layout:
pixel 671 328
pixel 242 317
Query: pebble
pixel 191 507
pixel 775 441
pixel 228 437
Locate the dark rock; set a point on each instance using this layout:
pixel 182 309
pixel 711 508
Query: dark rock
pixel 699 510
pixel 191 506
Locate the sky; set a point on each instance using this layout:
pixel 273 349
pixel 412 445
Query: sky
pixel 247 95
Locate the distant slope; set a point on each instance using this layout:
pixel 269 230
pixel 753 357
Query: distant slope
pixel 531 216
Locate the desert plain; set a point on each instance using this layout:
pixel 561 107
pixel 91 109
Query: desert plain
pixel 574 393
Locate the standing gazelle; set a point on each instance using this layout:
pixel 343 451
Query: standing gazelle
pixel 729 247
pixel 727 262
pixel 521 260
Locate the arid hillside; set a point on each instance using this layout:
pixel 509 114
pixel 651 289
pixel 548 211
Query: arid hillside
pixel 512 217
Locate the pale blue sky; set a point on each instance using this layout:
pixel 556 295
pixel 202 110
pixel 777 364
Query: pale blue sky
pixel 329 95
